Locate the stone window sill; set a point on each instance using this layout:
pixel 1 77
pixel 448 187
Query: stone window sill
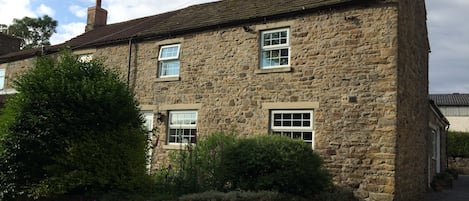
pixel 175 147
pixel 167 79
pixel 273 70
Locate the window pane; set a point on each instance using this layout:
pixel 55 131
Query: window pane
pixel 283 34
pixel 307 135
pixel 296 116
pixel 284 53
pixel 2 78
pixel 297 123
pixel 169 68
pixel 277 123
pixel 296 135
pixel 169 52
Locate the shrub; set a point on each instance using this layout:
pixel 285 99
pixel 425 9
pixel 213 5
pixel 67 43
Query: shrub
pixel 336 194
pixel 235 196
pixel 453 172
pixel 275 163
pixel 458 144
pixel 264 163
pixel 73 128
pixel 197 168
pixel 442 181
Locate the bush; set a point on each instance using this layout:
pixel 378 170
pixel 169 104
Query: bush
pixel 442 181
pixel 275 163
pixel 197 168
pixel 458 144
pixel 336 194
pixel 264 163
pixel 74 128
pixel 453 172
pixel 235 196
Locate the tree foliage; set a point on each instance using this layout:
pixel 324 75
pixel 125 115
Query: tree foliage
pixel 74 128
pixel 35 32
pixel 458 144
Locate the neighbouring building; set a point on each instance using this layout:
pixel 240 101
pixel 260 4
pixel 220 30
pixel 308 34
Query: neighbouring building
pixel 9 44
pixel 349 77
pixel 456 109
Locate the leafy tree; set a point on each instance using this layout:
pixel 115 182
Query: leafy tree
pixel 3 28
pixel 74 128
pixel 35 32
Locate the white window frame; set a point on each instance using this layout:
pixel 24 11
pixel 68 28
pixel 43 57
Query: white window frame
pixel 162 60
pixel 85 58
pixel 280 47
pixel 181 126
pixel 2 78
pixel 292 128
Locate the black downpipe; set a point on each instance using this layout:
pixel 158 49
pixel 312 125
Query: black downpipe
pixel 129 62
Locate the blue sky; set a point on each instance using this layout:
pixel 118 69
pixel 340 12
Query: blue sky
pixel 447 25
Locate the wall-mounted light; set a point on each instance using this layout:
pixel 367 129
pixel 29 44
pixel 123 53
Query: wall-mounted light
pixel 248 29
pixel 159 116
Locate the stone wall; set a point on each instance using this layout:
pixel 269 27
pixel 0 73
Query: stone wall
pixel 412 101
pixel 334 54
pixel 13 69
pixel 460 164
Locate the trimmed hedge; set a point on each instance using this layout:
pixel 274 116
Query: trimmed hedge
pixel 458 144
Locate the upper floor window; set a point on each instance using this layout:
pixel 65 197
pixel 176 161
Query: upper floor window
pixel 2 78
pixel 293 123
pixel 169 61
pixel 275 48
pixel 182 127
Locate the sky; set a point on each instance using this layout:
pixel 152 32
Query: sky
pixel 446 19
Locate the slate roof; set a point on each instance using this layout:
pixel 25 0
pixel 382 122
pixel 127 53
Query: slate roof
pixel 194 18
pixel 455 99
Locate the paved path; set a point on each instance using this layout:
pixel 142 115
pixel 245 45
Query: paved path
pixel 460 191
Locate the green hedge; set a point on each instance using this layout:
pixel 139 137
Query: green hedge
pixel 458 144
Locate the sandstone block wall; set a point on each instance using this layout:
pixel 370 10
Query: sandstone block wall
pixel 460 164
pixel 13 69
pixel 334 54
pixel 412 101
pixel 368 52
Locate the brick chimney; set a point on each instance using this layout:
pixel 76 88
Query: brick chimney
pixel 97 17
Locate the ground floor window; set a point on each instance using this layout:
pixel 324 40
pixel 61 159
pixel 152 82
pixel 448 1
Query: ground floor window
pixel 182 127
pixel 293 123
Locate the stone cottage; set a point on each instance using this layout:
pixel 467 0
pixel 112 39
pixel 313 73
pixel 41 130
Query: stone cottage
pixel 349 77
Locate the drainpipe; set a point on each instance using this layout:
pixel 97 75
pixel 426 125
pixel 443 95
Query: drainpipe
pixel 446 146
pixel 129 62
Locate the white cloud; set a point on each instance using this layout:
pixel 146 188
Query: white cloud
pixel 14 9
pixel 45 10
pixel 122 10
pixel 67 32
pixel 78 11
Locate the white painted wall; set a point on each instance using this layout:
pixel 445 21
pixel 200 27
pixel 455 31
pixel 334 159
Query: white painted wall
pixel 458 123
